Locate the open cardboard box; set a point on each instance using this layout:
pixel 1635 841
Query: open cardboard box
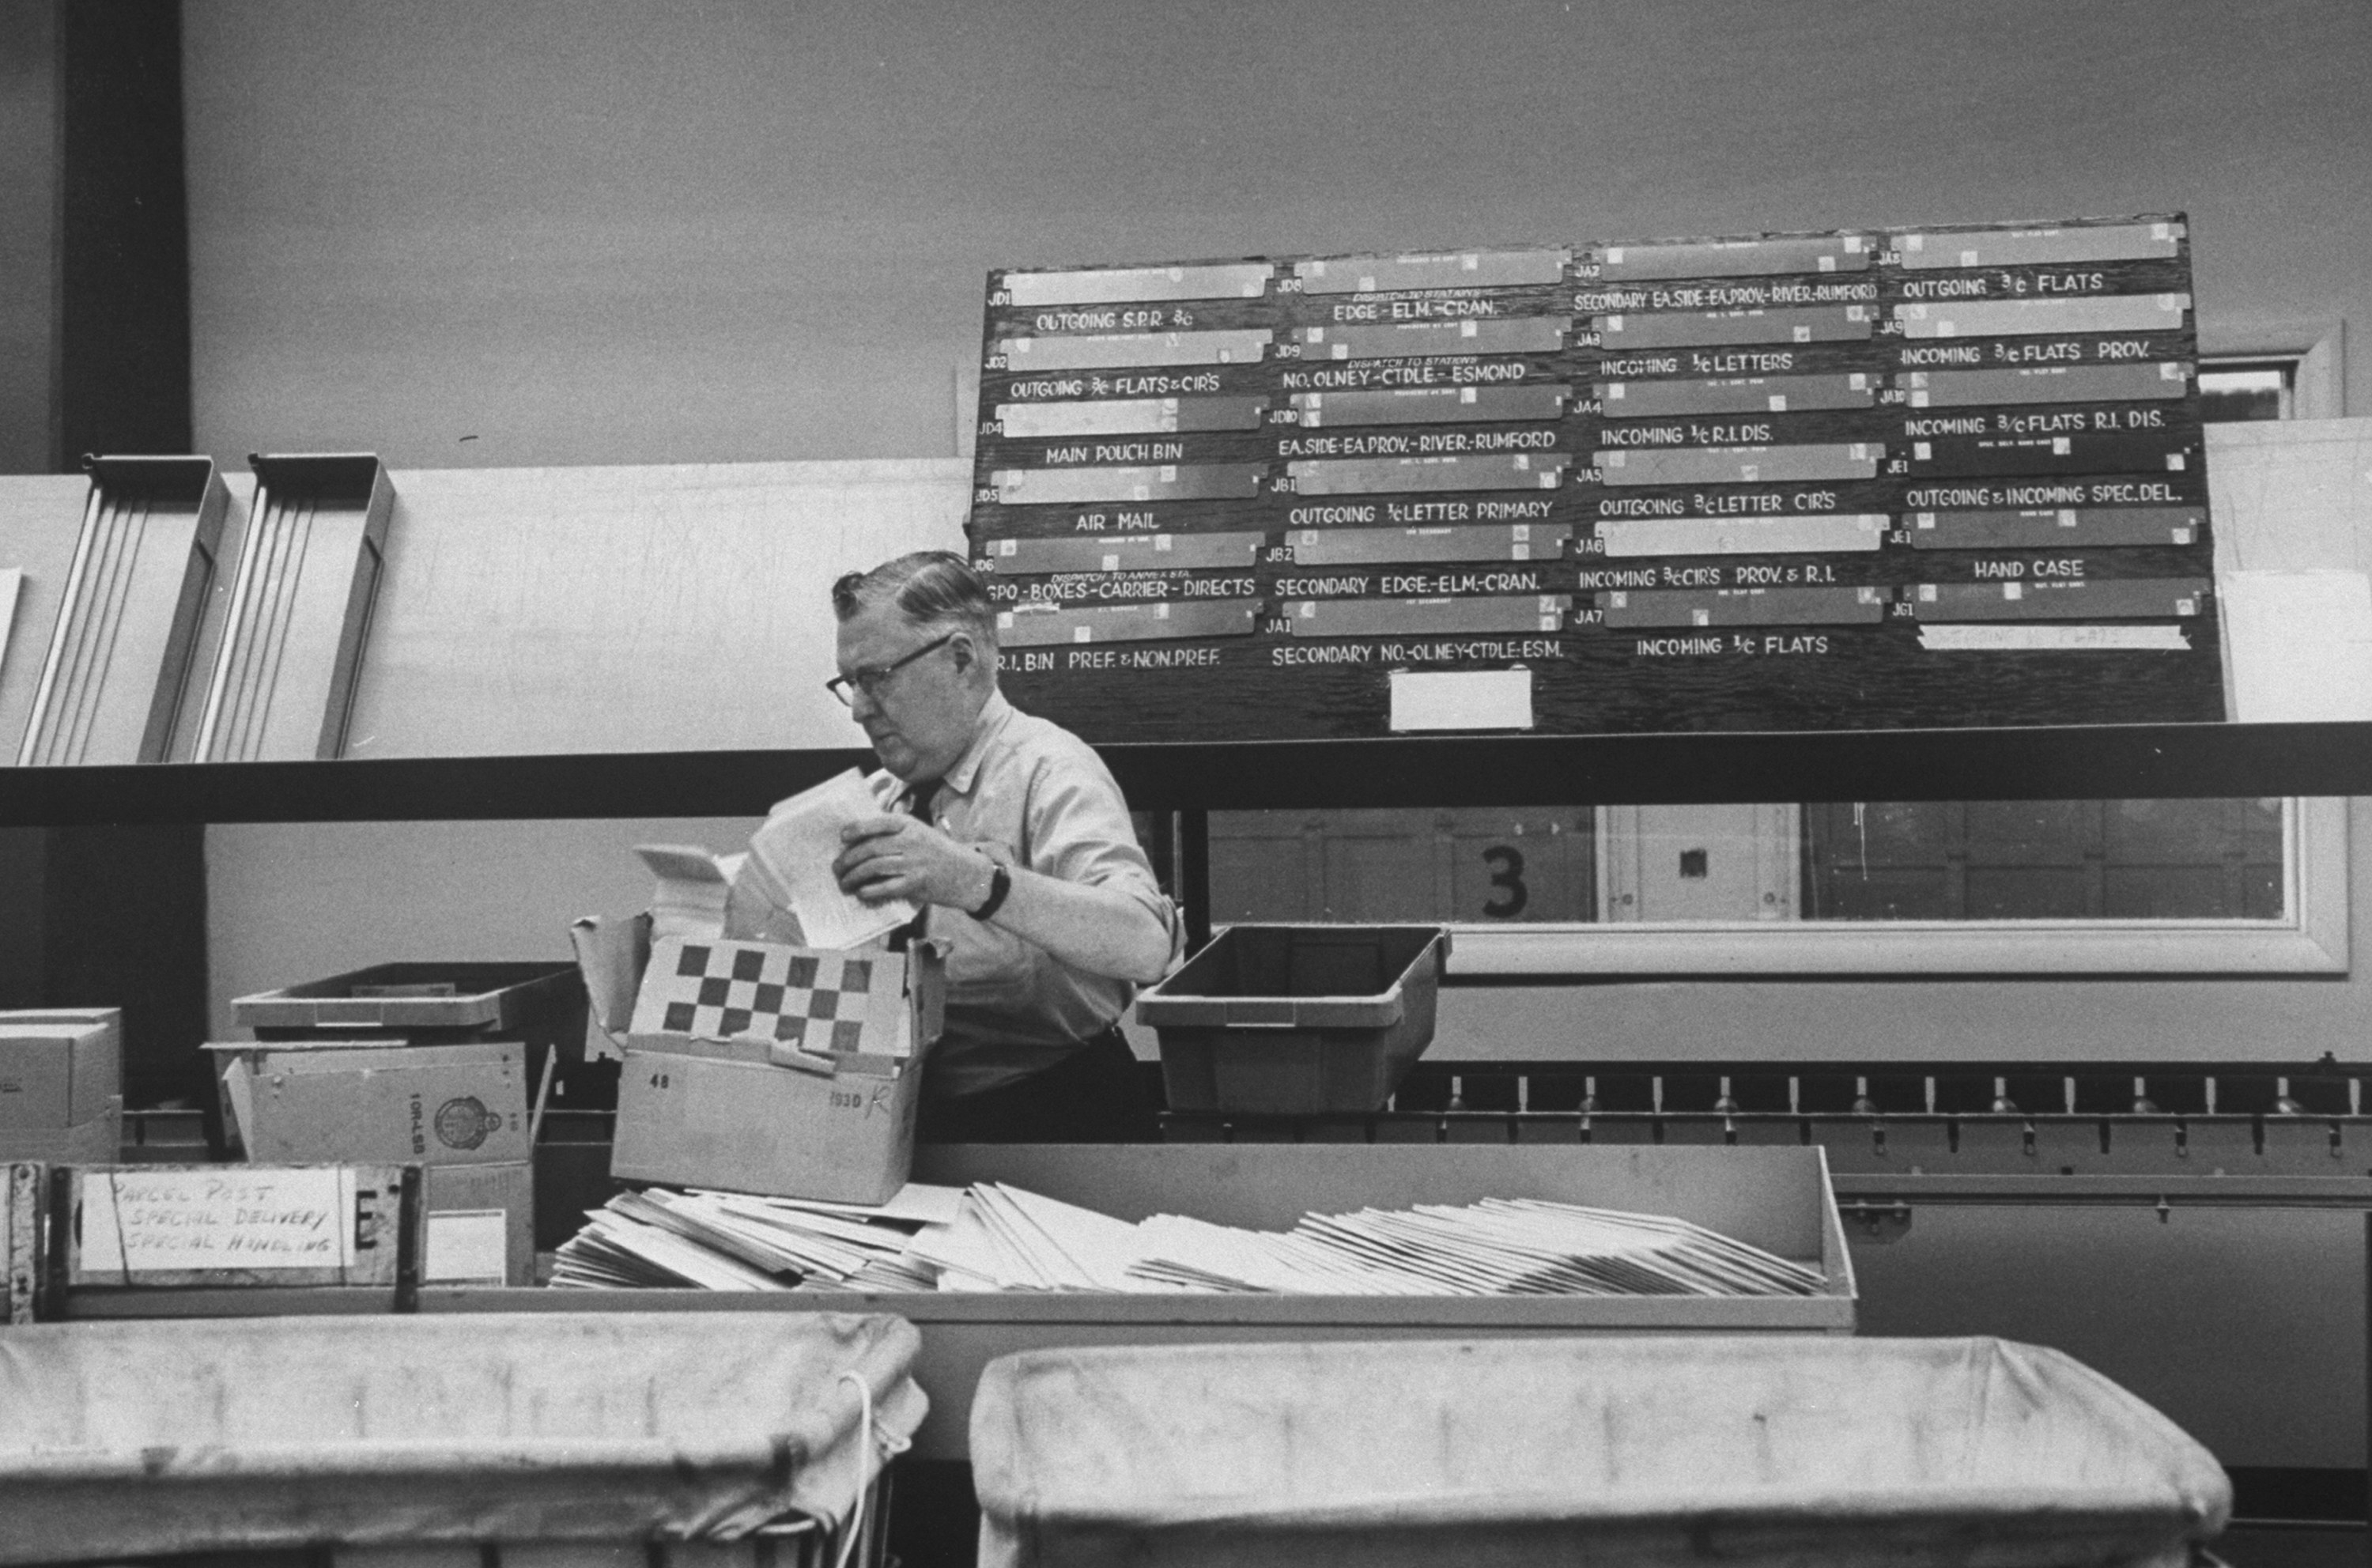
pixel 711 1096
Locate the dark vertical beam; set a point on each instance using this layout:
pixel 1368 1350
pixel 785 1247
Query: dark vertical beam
pixel 125 915
pixel 30 187
pixel 1194 875
pixel 124 300
pixel 24 891
pixel 1161 848
pixel 92 192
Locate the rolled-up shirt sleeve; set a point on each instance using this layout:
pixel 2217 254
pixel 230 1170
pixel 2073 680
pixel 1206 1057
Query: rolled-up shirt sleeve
pixel 1080 831
pixel 1037 796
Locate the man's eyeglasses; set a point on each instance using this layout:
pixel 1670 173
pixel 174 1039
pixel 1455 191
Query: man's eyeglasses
pixel 872 679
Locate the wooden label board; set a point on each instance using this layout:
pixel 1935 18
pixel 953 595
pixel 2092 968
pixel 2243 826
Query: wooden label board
pixel 136 1226
pixel 1246 500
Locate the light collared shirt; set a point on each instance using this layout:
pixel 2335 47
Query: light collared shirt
pixel 1034 795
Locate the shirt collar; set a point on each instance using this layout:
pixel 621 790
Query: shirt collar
pixel 993 716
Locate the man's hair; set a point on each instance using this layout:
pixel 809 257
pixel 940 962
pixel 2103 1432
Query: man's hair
pixel 930 587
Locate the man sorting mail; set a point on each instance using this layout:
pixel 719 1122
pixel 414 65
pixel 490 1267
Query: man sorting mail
pixel 1013 835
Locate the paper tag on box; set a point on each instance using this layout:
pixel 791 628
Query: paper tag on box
pixel 468 1246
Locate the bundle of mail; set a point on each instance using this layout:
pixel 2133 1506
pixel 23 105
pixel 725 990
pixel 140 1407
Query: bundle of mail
pixel 781 888
pixel 733 1241
pixel 993 1236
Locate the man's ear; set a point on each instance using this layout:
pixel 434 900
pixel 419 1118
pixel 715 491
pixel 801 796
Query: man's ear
pixel 970 655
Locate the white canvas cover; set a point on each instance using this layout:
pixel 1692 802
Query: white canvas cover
pixel 139 1438
pixel 1613 1450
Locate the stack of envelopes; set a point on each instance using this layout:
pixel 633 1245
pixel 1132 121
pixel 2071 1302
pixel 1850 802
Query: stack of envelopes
pixel 1499 1247
pixel 1006 1239
pixel 993 1236
pixel 733 1241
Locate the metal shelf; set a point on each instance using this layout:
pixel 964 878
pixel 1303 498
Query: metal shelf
pixel 2092 762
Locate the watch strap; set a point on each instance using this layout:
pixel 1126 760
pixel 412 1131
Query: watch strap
pixel 999 884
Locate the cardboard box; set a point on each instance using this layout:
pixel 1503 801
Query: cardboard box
pixel 57 1073
pixel 825 1112
pixel 109 1019
pixel 363 1101
pixel 99 1141
pixel 480 1224
pixel 751 1127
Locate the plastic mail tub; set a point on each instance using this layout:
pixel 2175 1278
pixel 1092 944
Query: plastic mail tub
pixel 540 1004
pixel 1621 1452
pixel 1295 1019
pixel 428 1002
pixel 521 1432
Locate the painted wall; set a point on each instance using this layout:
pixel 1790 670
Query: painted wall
pixel 551 231
pixel 291 902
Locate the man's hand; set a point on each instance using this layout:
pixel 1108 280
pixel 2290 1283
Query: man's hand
pixel 896 856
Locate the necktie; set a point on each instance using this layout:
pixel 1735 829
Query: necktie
pixel 919 796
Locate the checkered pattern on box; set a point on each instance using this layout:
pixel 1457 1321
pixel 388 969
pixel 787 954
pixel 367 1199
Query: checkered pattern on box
pixel 729 990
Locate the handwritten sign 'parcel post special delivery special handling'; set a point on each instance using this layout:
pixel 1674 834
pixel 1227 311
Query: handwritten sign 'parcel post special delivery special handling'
pixel 165 1225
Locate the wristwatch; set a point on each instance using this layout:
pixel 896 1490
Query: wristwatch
pixel 1000 883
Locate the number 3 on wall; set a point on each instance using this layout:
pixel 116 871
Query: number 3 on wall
pixel 1507 866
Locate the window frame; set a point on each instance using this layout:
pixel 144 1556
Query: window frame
pixel 2311 938
pixel 2317 343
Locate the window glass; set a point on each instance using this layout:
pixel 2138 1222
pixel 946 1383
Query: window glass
pixel 2235 390
pixel 1496 865
pixel 2118 860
